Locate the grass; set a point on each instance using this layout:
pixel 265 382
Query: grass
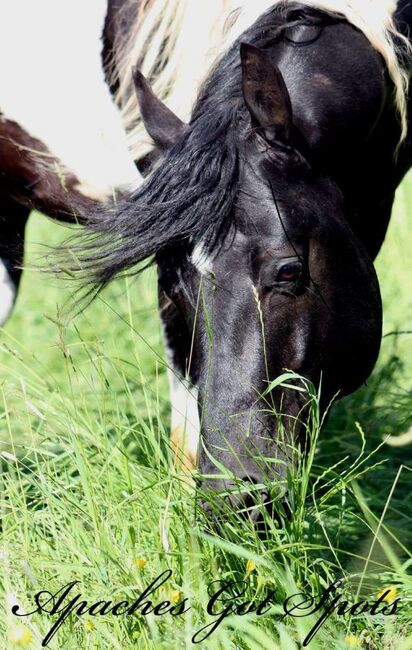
pixel 88 493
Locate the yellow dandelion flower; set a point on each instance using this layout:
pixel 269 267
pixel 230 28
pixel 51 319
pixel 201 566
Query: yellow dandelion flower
pixel 140 562
pixel 353 641
pixel 250 566
pixel 390 595
pixel 88 625
pixel 175 596
pixel 21 636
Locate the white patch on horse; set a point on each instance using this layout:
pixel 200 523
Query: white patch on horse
pixel 53 86
pixel 201 260
pixel 185 423
pixel 185 415
pixel 7 293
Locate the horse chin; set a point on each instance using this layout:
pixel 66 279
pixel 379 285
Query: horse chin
pixel 255 486
pixel 245 500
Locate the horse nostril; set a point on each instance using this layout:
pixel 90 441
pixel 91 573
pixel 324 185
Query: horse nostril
pixel 255 500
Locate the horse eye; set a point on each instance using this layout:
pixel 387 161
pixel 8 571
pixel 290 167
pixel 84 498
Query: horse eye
pixel 289 273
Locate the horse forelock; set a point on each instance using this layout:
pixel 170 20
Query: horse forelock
pixel 188 199
pixel 177 42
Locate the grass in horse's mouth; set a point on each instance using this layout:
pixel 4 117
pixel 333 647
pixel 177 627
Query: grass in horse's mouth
pixel 85 412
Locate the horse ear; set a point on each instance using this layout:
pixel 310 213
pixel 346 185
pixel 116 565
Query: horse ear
pixel 163 126
pixel 266 95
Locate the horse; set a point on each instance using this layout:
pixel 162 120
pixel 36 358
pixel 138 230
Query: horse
pixel 263 210
pixel 63 148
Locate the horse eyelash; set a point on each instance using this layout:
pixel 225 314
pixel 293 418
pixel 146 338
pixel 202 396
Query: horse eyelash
pixel 294 249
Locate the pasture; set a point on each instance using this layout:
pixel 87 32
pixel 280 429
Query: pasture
pixel 88 495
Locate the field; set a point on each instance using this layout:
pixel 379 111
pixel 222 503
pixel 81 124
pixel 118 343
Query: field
pixel 88 494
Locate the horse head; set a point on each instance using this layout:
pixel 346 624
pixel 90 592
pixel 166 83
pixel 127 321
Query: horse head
pixel 289 288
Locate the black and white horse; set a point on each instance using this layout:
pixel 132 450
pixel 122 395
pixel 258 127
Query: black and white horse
pixel 264 210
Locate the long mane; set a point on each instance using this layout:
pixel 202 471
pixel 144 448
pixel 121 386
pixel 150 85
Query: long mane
pixel 191 194
pixel 177 42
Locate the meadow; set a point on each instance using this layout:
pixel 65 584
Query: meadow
pixel 88 494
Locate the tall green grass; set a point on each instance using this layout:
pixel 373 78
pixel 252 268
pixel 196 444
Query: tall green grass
pixel 88 493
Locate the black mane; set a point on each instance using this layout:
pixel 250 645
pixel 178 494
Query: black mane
pixel 191 194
